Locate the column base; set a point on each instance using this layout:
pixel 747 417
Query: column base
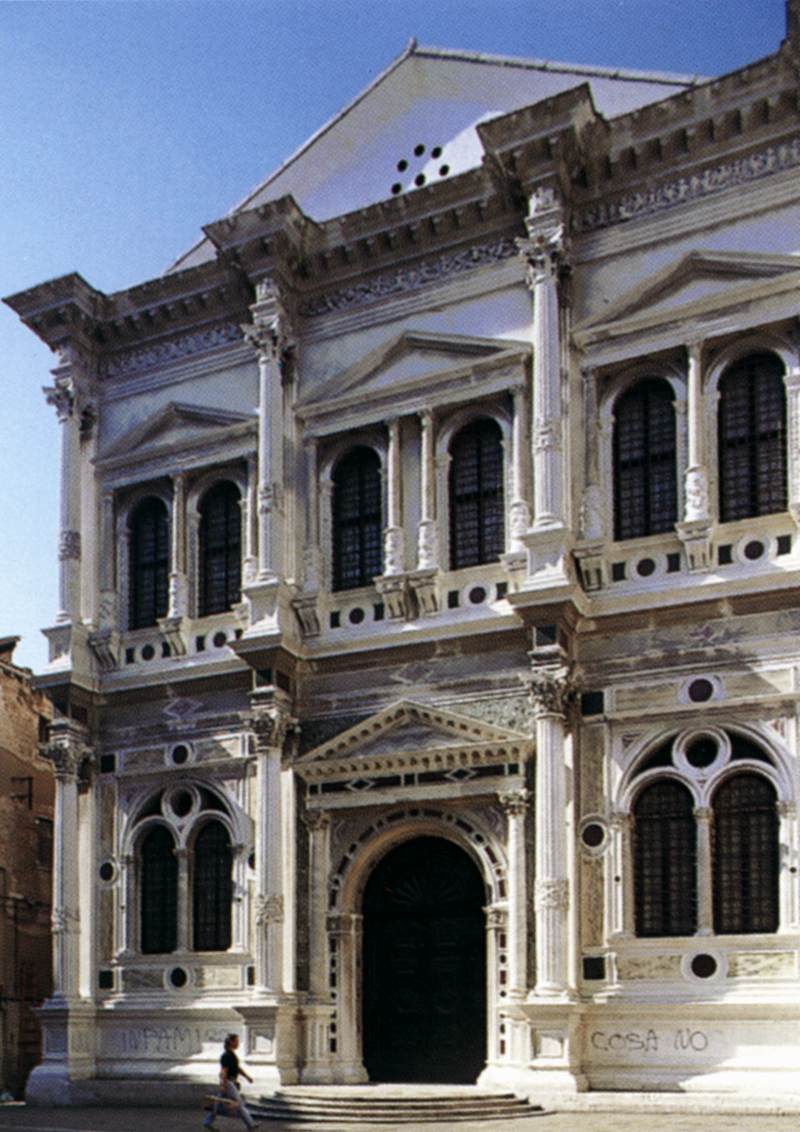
pixel 270 1043
pixel 318 1068
pixel 549 558
pixel 68 1045
pixel 542 1050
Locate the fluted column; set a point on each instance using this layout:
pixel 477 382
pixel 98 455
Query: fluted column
pixel 792 381
pixel 312 574
pixel 108 615
pixel 427 550
pixel 271 725
pixel 515 807
pixel 63 396
pixel 394 550
pixel 696 482
pixel 544 252
pixel 519 512
pixel 178 578
pixel 705 908
pixel 592 516
pixel 183 942
pixel 619 877
pixel 66 750
pixel 318 823
pixel 550 689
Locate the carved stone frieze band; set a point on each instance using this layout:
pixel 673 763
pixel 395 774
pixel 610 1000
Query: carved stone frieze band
pixel 410 278
pixel 174 350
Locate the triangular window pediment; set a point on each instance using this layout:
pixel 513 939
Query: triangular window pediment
pixel 414 735
pixel 175 426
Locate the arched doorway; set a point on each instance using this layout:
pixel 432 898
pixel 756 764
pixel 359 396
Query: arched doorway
pixel 424 984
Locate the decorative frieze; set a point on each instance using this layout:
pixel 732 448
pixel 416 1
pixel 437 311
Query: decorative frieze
pixel 704 183
pixel 410 278
pixel 173 350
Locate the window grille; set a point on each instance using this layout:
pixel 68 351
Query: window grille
pixel 476 495
pixel 745 856
pixel 149 558
pixel 213 888
pixel 752 439
pixel 159 892
pixel 220 549
pixel 665 853
pixel 357 520
pixel 645 479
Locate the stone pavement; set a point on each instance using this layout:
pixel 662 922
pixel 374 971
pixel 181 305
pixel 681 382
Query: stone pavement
pixel 27 1119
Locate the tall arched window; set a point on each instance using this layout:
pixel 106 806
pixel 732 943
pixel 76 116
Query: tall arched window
pixel 476 495
pixel 752 438
pixel 213 888
pixel 158 892
pixel 645 480
pixel 665 852
pixel 220 549
pixel 745 855
pixel 357 520
pixel 149 563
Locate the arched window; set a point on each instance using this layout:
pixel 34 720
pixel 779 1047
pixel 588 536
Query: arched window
pixel 220 549
pixel 213 888
pixel 158 893
pixel 149 563
pixel 665 852
pixel 745 855
pixel 752 438
pixel 645 481
pixel 476 494
pixel 357 520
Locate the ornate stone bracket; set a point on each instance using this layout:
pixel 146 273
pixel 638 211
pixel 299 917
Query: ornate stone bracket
pixel 171 631
pixel 307 610
pixel 424 585
pixel 104 643
pixel 696 538
pixel 394 592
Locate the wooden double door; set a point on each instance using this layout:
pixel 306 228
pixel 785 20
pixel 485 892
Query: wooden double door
pixel 424 987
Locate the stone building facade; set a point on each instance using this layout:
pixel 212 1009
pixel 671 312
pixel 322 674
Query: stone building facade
pixel 426 667
pixel 26 869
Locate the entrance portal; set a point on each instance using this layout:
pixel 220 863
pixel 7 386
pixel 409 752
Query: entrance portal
pixel 425 965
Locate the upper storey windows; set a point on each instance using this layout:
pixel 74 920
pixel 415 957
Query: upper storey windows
pixel 645 476
pixel 220 549
pixel 476 494
pixel 752 438
pixel 149 563
pixel 357 519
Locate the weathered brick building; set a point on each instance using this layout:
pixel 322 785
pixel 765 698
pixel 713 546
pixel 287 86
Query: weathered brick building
pixel 26 869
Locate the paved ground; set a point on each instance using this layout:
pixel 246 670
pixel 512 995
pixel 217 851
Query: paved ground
pixel 180 1120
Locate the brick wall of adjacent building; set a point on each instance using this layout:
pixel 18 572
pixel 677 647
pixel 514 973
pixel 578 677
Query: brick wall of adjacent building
pixel 26 869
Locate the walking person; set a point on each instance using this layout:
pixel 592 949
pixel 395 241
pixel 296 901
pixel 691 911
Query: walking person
pixel 229 1074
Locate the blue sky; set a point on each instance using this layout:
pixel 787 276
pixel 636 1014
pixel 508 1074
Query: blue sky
pixel 127 124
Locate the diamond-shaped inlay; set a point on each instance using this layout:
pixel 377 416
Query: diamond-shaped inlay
pixel 359 785
pixel 460 774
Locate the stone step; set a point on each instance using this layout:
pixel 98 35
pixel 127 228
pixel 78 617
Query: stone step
pixel 362 1105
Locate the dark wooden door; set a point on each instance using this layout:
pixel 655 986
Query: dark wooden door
pixel 425 965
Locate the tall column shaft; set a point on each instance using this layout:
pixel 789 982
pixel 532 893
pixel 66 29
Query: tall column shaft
pixel 62 396
pixel 312 572
pixel 705 908
pixel 427 551
pixel 178 579
pixel 319 823
pixel 696 504
pixel 270 727
pixel 394 551
pixel 515 806
pixel 519 514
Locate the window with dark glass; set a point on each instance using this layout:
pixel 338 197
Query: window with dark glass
pixel 220 549
pixel 476 495
pixel 149 563
pixel 357 520
pixel 745 855
pixel 158 892
pixel 665 852
pixel 213 888
pixel 645 480
pixel 752 439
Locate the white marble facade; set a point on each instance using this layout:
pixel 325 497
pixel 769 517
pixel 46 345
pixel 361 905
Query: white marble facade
pixel 528 248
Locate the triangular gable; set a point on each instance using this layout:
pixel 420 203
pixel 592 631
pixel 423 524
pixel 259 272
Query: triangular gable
pixel 411 358
pixel 409 731
pixel 174 426
pixel 699 280
pixel 433 99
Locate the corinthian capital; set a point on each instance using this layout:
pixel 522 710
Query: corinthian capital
pixel 271 726
pixel 515 803
pixel 62 397
pixel 551 687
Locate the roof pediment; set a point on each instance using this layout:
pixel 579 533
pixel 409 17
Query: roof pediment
pixel 173 427
pixel 412 359
pixel 700 283
pixel 414 736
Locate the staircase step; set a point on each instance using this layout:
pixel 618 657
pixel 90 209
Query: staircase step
pixel 388 1105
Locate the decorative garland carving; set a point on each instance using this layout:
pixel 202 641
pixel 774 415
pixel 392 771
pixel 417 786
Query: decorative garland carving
pixel 269 910
pixel 551 894
pixel 647 202
pixel 162 353
pixel 409 279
